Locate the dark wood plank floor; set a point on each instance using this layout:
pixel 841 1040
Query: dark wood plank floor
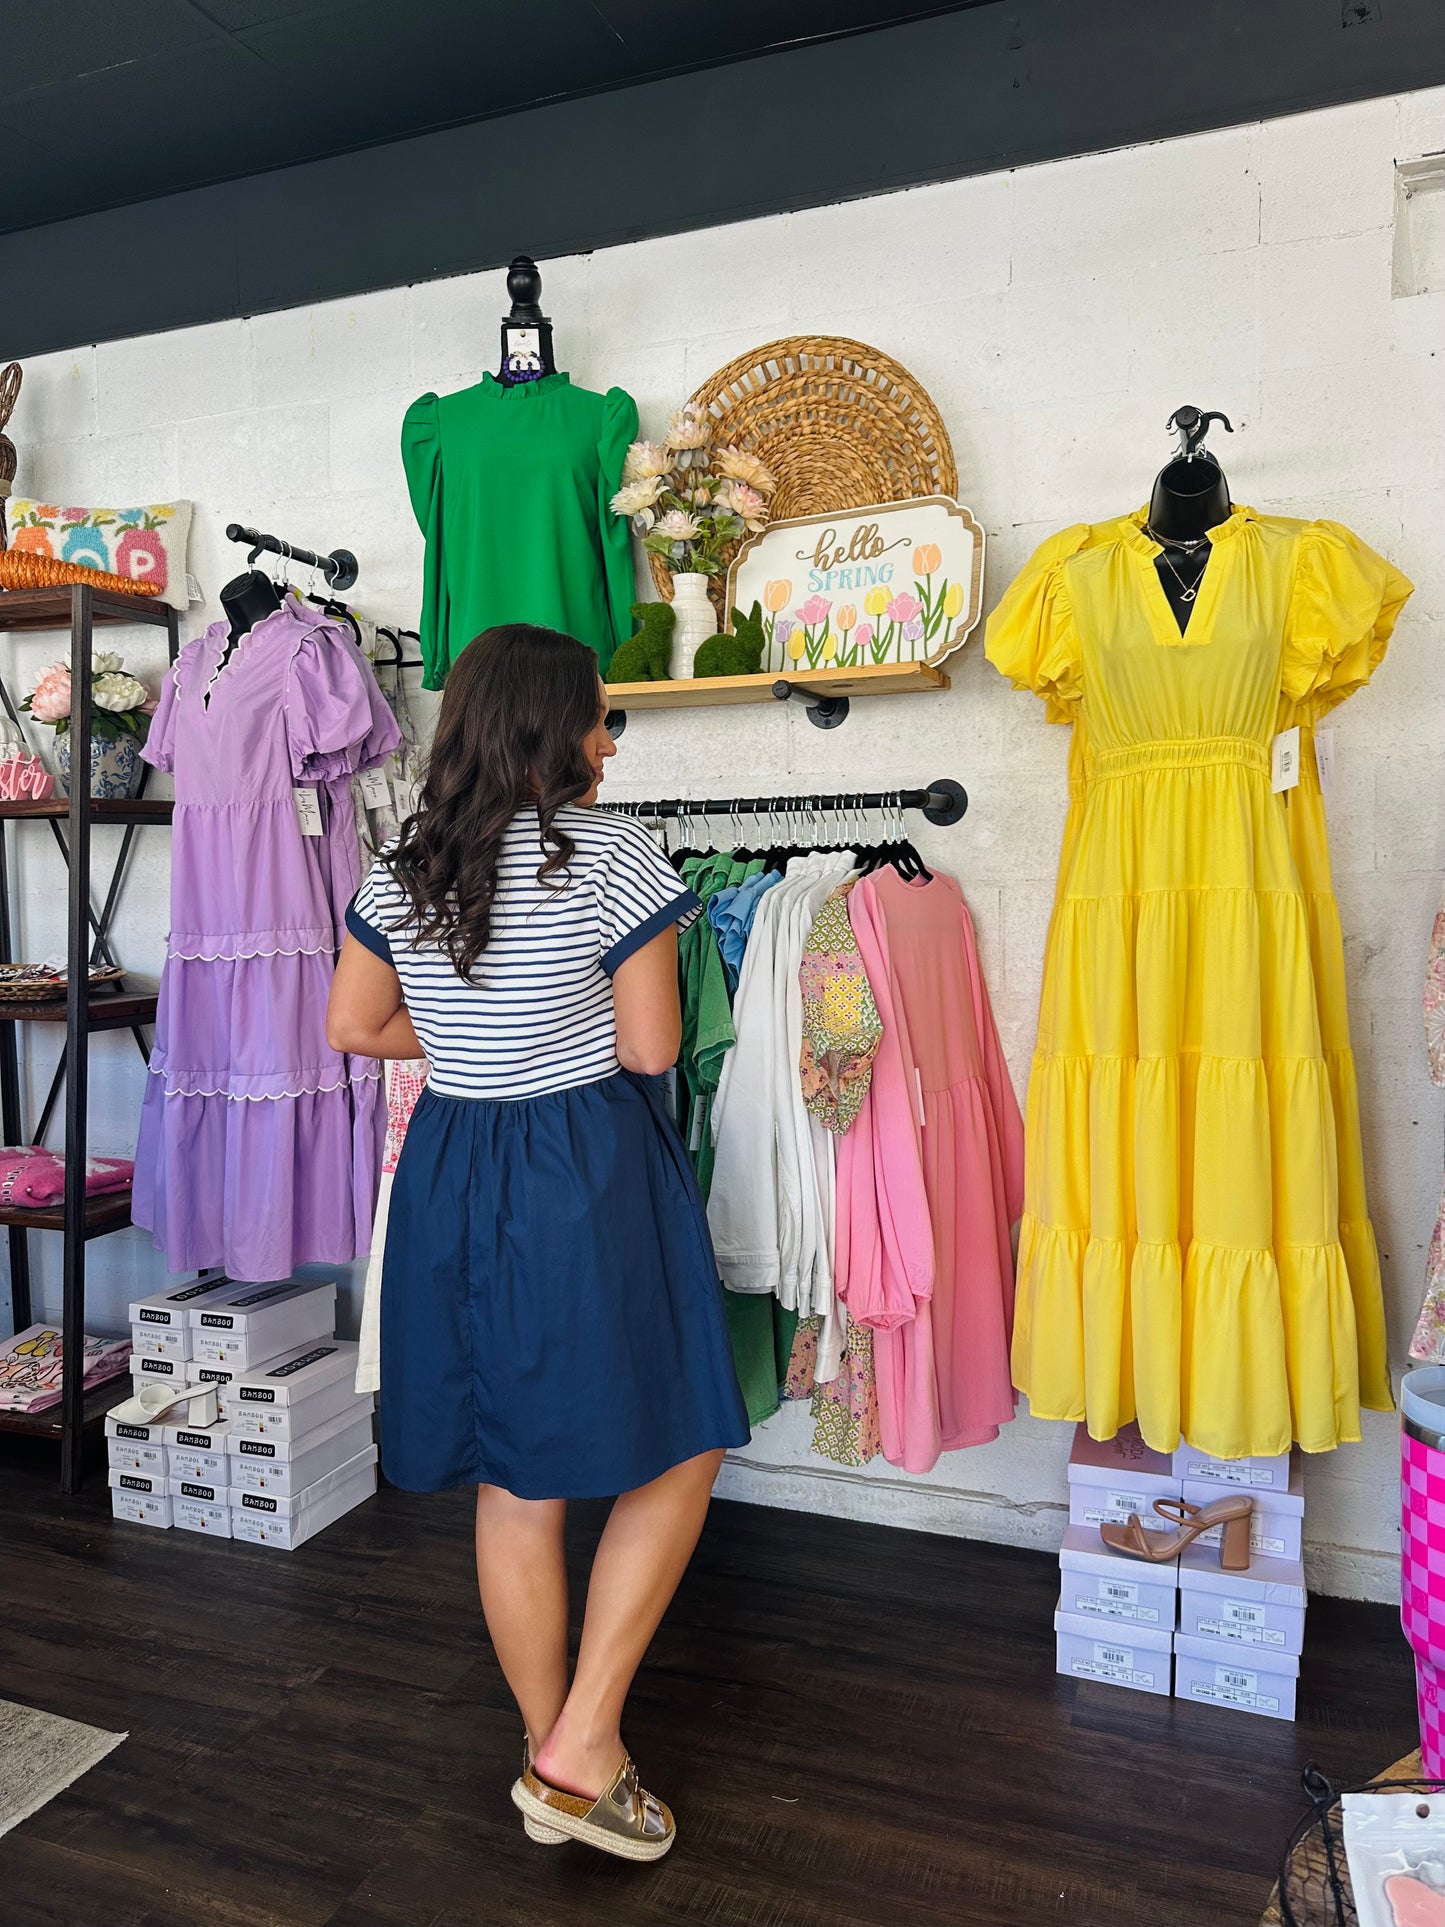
pixel 856 1728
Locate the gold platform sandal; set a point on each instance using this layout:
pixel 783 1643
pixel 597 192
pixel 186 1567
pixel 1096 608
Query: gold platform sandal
pixel 1232 1513
pixel 624 1819
pixel 544 1836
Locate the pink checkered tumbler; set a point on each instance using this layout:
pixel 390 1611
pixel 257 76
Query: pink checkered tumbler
pixel 1422 1553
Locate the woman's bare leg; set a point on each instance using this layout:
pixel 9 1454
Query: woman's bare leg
pixel 642 1555
pixel 522 1574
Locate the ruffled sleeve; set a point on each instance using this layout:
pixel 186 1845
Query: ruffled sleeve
pixel 619 428
pixel 337 721
pixel 1031 636
pixel 159 747
pixel 1343 607
pixel 421 457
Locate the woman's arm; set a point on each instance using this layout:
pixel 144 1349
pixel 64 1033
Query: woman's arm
pixel 645 1000
pixel 366 1016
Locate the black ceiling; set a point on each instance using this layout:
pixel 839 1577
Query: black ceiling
pixel 103 104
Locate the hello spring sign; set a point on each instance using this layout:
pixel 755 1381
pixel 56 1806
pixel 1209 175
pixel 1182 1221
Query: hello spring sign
pixel 897 582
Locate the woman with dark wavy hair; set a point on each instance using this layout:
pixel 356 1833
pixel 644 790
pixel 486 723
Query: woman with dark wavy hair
pixel 551 1317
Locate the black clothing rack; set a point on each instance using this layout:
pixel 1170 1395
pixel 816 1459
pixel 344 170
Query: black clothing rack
pixel 340 567
pixel 943 802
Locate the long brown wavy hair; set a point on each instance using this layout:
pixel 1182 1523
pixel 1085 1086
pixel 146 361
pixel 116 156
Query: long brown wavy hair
pixel 519 702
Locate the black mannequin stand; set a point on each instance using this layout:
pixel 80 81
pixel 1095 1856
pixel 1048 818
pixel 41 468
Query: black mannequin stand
pixel 247 599
pixel 1190 497
pixel 526 332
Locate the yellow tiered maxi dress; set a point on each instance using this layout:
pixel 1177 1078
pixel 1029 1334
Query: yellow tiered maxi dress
pixel 1192 1094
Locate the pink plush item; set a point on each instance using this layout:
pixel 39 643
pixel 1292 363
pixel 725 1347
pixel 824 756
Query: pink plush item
pixel 32 1178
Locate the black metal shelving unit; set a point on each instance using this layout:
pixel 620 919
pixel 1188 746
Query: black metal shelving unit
pixel 83 1010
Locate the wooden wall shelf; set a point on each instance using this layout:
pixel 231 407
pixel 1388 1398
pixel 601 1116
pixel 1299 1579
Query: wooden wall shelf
pixel 827 692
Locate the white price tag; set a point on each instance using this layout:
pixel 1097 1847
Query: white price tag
pixel 1284 760
pixel 308 811
pixel 406 794
pixel 375 790
pixel 699 1118
pixel 1325 759
pixel 918 1081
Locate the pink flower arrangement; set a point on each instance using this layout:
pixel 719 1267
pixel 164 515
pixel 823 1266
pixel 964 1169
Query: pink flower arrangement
pixel 50 698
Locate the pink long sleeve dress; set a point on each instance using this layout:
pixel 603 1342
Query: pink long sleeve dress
pixel 930 1178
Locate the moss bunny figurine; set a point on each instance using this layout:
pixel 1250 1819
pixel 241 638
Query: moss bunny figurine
pixel 646 656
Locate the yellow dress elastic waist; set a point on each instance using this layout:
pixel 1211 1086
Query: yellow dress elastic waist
pixel 1198 752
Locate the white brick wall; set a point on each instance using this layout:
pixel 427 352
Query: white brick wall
pixel 1057 315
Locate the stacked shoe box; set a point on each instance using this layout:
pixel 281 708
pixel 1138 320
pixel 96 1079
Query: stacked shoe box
pixel 1241 1633
pixel 267 1350
pixel 1116 1615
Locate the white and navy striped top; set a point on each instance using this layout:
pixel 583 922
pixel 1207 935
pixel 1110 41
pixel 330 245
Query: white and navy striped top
pixel 538 1016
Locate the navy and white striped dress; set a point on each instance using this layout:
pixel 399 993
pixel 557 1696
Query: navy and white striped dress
pixel 551 1316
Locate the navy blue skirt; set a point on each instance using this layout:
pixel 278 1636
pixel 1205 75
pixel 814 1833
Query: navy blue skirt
pixel 551 1315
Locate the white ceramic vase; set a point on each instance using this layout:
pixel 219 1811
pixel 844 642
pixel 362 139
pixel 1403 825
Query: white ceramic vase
pixel 696 620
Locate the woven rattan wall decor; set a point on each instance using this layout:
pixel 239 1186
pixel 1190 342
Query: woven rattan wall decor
pixel 840 424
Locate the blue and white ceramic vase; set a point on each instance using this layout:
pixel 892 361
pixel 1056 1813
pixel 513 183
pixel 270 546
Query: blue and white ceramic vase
pixel 114 764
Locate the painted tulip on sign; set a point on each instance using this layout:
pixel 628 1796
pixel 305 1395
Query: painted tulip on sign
pixel 914 569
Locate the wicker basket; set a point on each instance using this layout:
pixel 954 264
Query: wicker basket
pixel 840 424
pixel 19 569
pixel 28 983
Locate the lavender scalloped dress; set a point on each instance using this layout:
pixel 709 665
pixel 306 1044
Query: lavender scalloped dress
pixel 260 1146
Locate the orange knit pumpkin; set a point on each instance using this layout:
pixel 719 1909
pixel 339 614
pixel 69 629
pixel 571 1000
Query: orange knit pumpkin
pixel 19 570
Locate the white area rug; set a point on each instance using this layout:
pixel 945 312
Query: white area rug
pixel 40 1756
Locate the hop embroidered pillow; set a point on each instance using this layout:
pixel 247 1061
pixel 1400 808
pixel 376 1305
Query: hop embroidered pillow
pixel 142 544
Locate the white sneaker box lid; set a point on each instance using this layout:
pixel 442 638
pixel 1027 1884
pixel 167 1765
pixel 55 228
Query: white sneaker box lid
pixel 296 1374
pixel 141 1508
pixel 204 1491
pixel 120 1480
pixel 1135 1657
pixel 1107 1588
pixel 1214 1672
pixel 169 1308
pixel 126 1457
pixel 196 1515
pixel 292 1421
pixel 1256 1475
pixel 258 1324
pixel 335 1444
pixel 160 1341
pixel 286 1505
pixel 1124 1463
pixel 287 1533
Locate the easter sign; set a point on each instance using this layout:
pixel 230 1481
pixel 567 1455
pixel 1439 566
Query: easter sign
pixel 898 582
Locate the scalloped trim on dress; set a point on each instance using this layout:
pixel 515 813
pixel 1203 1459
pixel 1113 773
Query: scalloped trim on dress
pixel 272 1097
pixel 248 956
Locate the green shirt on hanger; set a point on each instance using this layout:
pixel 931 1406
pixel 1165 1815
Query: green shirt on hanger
pixel 510 485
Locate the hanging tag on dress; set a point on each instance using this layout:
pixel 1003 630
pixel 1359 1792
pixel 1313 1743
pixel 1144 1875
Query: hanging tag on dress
pixel 375 790
pixel 308 811
pixel 699 1119
pixel 1325 759
pixel 918 1081
pixel 406 794
pixel 1284 761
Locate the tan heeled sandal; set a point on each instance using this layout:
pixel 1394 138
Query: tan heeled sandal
pixel 1233 1513
pixel 624 1819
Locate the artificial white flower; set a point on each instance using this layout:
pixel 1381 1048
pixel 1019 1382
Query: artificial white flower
pixel 118 692
pixel 688 429
pixel 743 467
pixel 633 497
pixel 644 460
pixel 677 525
pixel 104 663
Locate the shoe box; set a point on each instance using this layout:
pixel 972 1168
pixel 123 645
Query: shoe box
pixel 1110 1590
pixel 1110 1479
pixel 276 1519
pixel 1263 1607
pixel 253 1323
pixel 1258 1475
pixel 135 1448
pixel 291 1395
pixel 1260 1680
pixel 198 1453
pixel 289 1466
pixel 1137 1657
pixel 1276 1526
pixel 159 1325
pixel 142 1497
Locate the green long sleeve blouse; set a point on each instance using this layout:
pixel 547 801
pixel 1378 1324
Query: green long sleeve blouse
pixel 510 486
